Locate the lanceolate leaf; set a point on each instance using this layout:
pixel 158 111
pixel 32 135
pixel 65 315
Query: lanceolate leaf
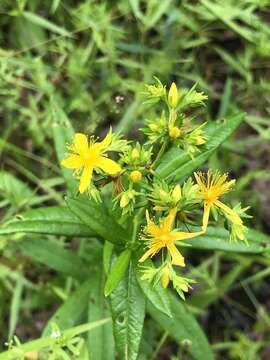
pixel 97 218
pixel 218 239
pixel 117 271
pixel 177 163
pixel 100 340
pixel 55 257
pixel 54 220
pixel 72 310
pixel 181 326
pixel 128 310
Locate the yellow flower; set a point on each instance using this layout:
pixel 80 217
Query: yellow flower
pixel 162 236
pixel 211 187
pixel 86 156
pixel 174 132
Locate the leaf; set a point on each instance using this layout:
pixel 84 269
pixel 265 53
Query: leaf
pixel 55 257
pixel 181 326
pixel 218 239
pixel 71 311
pixel 63 134
pixel 44 23
pixel 156 294
pixel 53 220
pixel 117 271
pixel 100 340
pixel 15 305
pixel 98 219
pixel 177 163
pixel 128 311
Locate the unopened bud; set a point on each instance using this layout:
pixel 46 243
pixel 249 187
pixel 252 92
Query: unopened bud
pixel 153 127
pixel 124 200
pixel 186 343
pixel 174 132
pixel 165 279
pixel 173 96
pixel 135 176
pixel 135 153
pixel 176 194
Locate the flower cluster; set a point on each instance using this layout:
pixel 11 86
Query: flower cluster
pixel 171 209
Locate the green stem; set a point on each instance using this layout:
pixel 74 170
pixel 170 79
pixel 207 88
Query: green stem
pixel 160 153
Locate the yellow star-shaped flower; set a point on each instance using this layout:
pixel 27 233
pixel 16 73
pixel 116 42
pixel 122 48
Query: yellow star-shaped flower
pixel 86 156
pixel 163 236
pixel 211 187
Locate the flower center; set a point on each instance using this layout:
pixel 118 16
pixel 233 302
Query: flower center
pixel 163 239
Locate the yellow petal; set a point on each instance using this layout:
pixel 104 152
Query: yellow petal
pixel 177 258
pixel 233 215
pixel 168 221
pixel 206 213
pixel 148 253
pixel 173 96
pixel 73 162
pixel 105 142
pixel 180 235
pixel 107 165
pixel 85 178
pixel 80 143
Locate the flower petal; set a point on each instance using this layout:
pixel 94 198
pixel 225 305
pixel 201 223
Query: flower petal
pixel 232 214
pixel 85 178
pixel 80 143
pixel 106 141
pixel 107 165
pixel 206 213
pixel 177 258
pixel 148 253
pixel 168 221
pixel 72 162
pixel 181 235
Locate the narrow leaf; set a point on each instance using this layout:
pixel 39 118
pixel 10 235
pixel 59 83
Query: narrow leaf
pixel 117 271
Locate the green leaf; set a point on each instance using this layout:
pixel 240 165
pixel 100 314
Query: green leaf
pixel 218 239
pixel 72 310
pixel 117 271
pixel 98 219
pixel 44 23
pixel 63 134
pixel 53 220
pixel 15 305
pixel 128 310
pixel 100 340
pixel 177 163
pixel 54 256
pixel 181 326
pixel 156 294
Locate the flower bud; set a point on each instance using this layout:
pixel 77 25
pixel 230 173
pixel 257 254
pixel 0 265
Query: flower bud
pixel 135 176
pixel 165 279
pixel 135 154
pixel 174 132
pixel 124 200
pixel 153 127
pixel 173 96
pixel 176 194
